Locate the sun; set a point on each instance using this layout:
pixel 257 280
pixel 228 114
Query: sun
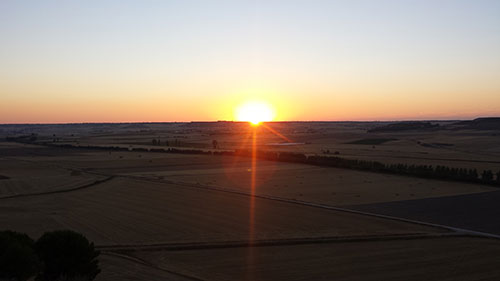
pixel 255 112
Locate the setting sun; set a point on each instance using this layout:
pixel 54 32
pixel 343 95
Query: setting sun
pixel 255 112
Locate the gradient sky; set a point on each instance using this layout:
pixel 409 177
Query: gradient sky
pixel 118 61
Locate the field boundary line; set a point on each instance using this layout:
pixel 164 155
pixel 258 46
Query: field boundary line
pixel 148 264
pixel 321 206
pixel 275 242
pixel 61 190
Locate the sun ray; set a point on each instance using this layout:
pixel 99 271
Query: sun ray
pixel 276 133
pixel 251 218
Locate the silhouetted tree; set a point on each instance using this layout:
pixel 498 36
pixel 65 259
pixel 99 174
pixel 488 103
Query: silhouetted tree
pixel 473 175
pixel 66 255
pixel 18 260
pixel 487 176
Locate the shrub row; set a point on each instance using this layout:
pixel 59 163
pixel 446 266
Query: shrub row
pixel 422 171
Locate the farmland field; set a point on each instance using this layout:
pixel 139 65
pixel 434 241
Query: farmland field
pixel 427 259
pixel 179 216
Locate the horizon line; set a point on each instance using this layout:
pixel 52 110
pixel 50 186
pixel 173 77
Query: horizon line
pixel 233 121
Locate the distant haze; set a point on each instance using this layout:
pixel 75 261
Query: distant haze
pixel 118 61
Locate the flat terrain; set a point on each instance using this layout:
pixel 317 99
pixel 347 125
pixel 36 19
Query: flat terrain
pixel 329 186
pixel 464 148
pixel 421 259
pixel 472 211
pixel 123 267
pixel 163 216
pixel 41 178
pixel 125 211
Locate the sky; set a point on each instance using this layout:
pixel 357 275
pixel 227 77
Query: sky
pixel 154 61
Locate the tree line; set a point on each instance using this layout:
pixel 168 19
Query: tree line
pixel 440 172
pixel 422 171
pixel 159 142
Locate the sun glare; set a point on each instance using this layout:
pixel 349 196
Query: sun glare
pixel 255 113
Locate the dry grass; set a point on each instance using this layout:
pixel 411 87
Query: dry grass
pixel 124 211
pixel 316 184
pixel 140 212
pixel 424 259
pixel 293 181
pixel 124 268
pixel 28 177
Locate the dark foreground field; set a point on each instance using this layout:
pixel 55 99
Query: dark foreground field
pixel 471 211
